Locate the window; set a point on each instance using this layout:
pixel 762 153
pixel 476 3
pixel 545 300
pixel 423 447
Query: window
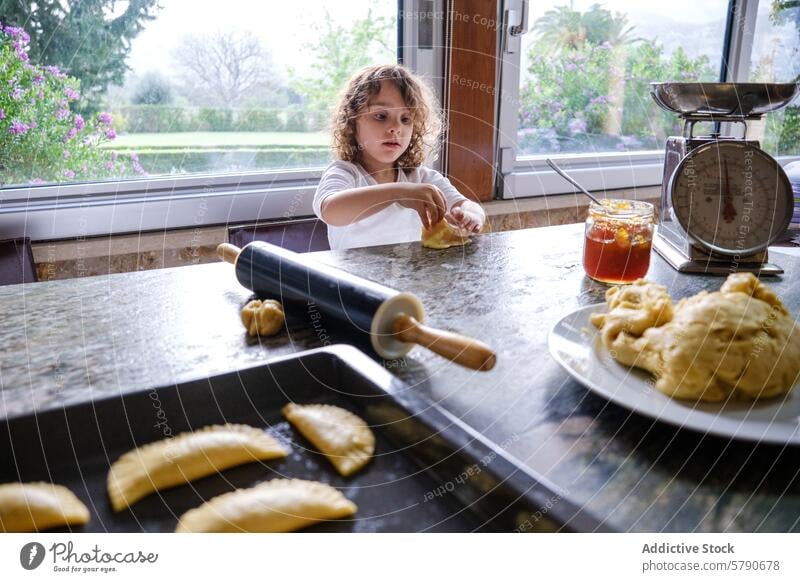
pixel 169 87
pixel 172 114
pixel 575 85
pixel 775 58
pixel 586 68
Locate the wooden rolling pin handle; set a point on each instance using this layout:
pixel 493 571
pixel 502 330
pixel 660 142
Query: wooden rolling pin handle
pixel 228 252
pixel 460 349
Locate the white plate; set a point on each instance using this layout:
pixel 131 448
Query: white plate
pixel 575 344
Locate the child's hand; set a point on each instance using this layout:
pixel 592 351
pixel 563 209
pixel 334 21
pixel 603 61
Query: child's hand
pixel 467 216
pixel 427 200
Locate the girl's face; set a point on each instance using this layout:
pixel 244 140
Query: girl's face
pixel 383 130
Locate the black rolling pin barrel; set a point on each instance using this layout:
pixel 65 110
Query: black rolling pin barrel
pixel 390 318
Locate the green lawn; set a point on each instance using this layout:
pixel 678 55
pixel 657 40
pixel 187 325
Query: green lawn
pixel 211 139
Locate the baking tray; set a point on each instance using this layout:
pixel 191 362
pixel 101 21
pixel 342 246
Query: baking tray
pixel 430 471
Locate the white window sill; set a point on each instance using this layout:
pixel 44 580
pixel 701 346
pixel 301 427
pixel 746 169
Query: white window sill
pixel 82 210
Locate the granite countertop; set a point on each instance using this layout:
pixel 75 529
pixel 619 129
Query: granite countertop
pixel 73 340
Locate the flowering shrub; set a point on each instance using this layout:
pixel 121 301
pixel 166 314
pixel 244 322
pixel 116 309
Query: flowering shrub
pixel 565 99
pixel 41 138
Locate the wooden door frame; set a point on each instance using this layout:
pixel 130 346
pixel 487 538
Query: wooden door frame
pixel 470 95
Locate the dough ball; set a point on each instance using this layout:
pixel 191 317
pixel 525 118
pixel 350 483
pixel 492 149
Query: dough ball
pixel 442 236
pixel 739 341
pixel 263 317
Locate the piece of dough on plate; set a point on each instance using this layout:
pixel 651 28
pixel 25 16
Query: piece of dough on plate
pixel 280 505
pixel 185 457
pixel 633 309
pixel 344 438
pixel 442 236
pixel 32 507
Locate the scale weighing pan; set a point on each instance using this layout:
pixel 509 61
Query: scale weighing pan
pixel 723 99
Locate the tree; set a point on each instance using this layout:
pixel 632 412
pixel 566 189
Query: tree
pixel 647 63
pixel 782 11
pixel 563 28
pixel 560 29
pixel 339 52
pixel 222 68
pixel 152 89
pixel 85 38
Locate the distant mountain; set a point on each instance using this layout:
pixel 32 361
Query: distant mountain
pixel 776 48
pixel 696 39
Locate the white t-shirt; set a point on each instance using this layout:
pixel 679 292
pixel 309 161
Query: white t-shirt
pixel 393 224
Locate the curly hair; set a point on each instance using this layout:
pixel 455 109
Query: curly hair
pixel 366 83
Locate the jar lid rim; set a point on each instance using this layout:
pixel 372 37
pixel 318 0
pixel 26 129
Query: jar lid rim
pixel 626 207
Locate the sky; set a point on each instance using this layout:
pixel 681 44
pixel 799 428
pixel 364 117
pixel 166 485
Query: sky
pixel 697 10
pixel 284 26
pixel 697 26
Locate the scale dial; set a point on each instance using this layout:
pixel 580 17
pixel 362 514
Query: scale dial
pixel 731 197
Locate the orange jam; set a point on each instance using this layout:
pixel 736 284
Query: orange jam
pixel 618 241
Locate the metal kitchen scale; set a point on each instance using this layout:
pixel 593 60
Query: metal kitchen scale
pixel 723 199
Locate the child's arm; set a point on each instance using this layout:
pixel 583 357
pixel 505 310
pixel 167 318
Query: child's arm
pixel 354 204
pixel 463 213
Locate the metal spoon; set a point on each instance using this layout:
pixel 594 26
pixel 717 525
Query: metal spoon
pixel 566 176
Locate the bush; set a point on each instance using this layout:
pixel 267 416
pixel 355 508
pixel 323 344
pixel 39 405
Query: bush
pixel 295 120
pixel 121 124
pixel 215 119
pixel 259 120
pixel 41 138
pixel 790 132
pixel 564 97
pixel 318 120
pixel 166 118
pixel 155 119
pixel 188 160
pixel 153 89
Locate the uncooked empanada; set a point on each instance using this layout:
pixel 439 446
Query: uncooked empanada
pixel 442 236
pixel 186 457
pixel 30 507
pixel 344 438
pixel 263 317
pixel 280 505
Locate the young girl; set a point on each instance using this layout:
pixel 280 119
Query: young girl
pixel 378 192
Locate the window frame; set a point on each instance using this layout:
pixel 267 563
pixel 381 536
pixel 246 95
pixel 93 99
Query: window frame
pixel 49 212
pixel 53 212
pixel 529 176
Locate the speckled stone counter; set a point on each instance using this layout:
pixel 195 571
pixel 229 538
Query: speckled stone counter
pixel 68 341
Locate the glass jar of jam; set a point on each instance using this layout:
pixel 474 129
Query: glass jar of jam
pixel 618 240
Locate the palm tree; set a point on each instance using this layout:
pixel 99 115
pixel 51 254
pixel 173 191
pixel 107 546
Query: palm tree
pixel 605 26
pixel 563 28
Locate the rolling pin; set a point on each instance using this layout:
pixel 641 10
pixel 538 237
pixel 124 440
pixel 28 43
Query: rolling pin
pixel 391 319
